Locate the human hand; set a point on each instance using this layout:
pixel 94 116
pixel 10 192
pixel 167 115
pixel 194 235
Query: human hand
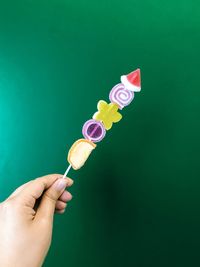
pixel 26 220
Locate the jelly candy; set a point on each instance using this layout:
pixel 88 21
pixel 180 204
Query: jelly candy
pixel 93 130
pixel 121 96
pixel 107 113
pixel 79 153
pixel 132 81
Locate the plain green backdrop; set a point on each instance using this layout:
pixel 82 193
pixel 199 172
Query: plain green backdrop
pixel 136 201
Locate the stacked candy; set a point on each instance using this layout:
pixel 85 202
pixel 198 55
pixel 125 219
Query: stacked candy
pixel 94 130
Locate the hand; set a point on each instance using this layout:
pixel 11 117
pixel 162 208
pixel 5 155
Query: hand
pixel 26 220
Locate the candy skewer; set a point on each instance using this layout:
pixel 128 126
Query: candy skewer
pixel 94 130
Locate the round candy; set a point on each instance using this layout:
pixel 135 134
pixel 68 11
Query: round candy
pixel 121 96
pixel 93 130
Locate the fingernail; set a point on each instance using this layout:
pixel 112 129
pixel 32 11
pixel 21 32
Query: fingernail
pixel 61 184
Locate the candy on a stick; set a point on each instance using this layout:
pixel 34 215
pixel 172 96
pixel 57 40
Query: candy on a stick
pixel 94 130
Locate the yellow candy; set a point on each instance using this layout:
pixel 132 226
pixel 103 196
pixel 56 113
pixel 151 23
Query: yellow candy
pixel 107 113
pixel 79 152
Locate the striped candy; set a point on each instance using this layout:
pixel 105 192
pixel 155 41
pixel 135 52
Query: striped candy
pixel 93 130
pixel 121 96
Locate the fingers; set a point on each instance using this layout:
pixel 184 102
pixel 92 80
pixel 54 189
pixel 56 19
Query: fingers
pixel 70 182
pixel 60 211
pixel 44 188
pixel 66 196
pixel 36 188
pixel 61 204
pixel 50 199
pixel 44 182
pixel 18 190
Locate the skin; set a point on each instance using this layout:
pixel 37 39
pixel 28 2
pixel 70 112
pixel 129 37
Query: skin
pixel 26 220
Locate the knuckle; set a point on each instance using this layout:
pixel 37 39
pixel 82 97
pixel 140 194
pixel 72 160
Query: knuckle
pixel 56 175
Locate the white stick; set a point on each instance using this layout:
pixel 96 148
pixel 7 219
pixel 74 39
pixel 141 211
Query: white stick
pixel 67 170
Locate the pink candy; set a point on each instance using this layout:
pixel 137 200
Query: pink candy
pixel 93 130
pixel 121 96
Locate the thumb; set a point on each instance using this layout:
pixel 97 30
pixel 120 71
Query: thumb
pixel 48 202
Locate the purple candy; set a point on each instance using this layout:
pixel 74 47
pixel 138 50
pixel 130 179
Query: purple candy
pixel 121 96
pixel 93 130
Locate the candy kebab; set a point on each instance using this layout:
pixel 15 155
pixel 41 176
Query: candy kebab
pixel 94 130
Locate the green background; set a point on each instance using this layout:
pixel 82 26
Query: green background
pixel 136 201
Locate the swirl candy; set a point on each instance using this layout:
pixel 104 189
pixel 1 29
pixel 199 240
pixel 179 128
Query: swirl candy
pixel 121 96
pixel 94 130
